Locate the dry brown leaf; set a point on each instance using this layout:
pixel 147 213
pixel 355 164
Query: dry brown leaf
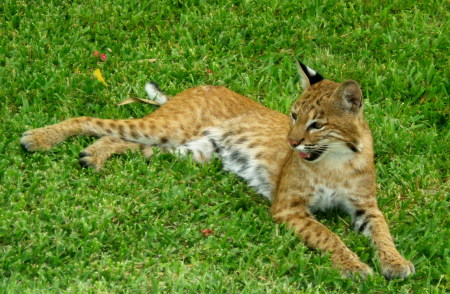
pixel 137 100
pixel 147 60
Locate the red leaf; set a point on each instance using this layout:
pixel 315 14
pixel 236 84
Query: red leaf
pixel 207 232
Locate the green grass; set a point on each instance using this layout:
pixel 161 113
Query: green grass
pixel 136 226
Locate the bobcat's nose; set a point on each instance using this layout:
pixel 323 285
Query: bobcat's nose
pixel 294 143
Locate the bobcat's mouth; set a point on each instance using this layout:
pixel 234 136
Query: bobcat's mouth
pixel 313 154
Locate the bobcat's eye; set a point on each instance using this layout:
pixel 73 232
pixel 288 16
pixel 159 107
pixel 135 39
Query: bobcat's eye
pixel 315 126
pixel 294 115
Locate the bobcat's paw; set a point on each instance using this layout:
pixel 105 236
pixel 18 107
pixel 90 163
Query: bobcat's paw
pixel 39 139
pixel 355 270
pixel 88 159
pixel 399 269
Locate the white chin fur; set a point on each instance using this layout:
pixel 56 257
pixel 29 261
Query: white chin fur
pixel 338 154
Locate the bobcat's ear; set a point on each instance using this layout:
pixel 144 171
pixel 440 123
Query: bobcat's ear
pixel 308 76
pixel 349 96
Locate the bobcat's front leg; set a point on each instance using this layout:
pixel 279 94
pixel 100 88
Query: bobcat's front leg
pixel 369 220
pixel 294 213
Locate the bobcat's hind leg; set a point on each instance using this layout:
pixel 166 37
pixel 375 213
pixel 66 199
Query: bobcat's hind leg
pixel 47 137
pixel 97 153
pixel 127 130
pixel 41 139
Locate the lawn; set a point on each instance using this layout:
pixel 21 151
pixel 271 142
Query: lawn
pixel 174 226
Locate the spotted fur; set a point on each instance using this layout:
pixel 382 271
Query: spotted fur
pixel 317 158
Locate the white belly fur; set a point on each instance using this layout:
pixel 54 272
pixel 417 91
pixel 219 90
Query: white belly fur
pixel 326 198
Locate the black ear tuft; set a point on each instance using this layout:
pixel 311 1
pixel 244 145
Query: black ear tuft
pixel 312 75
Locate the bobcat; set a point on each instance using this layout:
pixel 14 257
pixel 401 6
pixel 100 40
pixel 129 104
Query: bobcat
pixel 318 158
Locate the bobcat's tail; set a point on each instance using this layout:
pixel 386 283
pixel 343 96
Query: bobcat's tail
pixel 155 94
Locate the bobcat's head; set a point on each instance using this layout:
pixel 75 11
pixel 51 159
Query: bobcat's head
pixel 328 118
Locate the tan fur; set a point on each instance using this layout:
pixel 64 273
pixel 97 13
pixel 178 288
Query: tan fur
pixel 252 140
